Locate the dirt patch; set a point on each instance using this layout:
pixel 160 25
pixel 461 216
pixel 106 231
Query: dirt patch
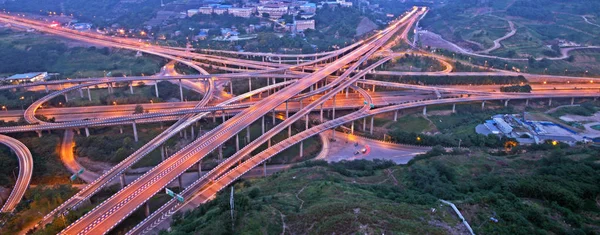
pixel 95 166
pixel 365 26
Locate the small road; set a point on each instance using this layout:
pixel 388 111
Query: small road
pixel 25 171
pixel 68 158
pixel 497 44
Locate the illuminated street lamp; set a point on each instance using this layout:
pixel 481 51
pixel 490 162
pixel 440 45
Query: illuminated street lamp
pixel 4 108
pixel 114 102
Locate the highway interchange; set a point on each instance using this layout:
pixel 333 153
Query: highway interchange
pixel 301 84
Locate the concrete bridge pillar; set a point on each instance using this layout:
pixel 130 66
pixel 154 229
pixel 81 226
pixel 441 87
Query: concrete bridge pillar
pixel 321 113
pixel 135 134
pixel 302 148
pixel 147 209
pixel 247 134
pixel 347 92
pixel 220 152
pixel 483 105
pixel 39 133
pixel 231 86
pixel 262 126
pixel 333 133
pixel 89 94
pixel 109 86
pixel 352 128
pixel 364 127
pixel 425 111
pixel 192 132
pixel 162 152
pixel 273 116
pixel 306 122
pixel 572 100
pixel 199 168
pixel 131 87
pixel 81 93
pixel 78 131
pixel 249 84
pixel 180 90
pixel 526 102
pixel 396 116
pixel 333 114
pixel 453 108
pixel 87 132
pixel 121 129
pixel 550 102
pixel 122 179
pixel 264 169
pixel 66 97
pixel 237 143
pixel 223 115
pixel 180 181
pixel 185 136
pixel 506 103
pixel 46 88
pixel 214 116
pixel 372 120
pixel 156 89
pixel 373 87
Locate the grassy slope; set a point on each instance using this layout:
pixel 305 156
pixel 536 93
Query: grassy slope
pixel 321 200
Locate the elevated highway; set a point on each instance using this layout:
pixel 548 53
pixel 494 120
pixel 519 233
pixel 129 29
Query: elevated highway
pixel 25 172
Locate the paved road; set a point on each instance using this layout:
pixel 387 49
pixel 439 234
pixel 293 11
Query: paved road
pixel 25 171
pixel 68 158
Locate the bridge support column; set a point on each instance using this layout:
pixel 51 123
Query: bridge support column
pixel 199 169
pixel 109 86
pixel 192 132
pixel 156 89
pixel 306 122
pixel 147 209
pixel 87 132
pixel 121 129
pixel 321 113
pixel 364 124
pixel 526 102
pixel 237 143
pixel 180 181
pixel 66 97
pixel 273 117
pixel 249 84
pixel 483 105
pixel 453 108
pixel 425 111
pixel 89 94
pixel 180 90
pixel 131 87
pixel 247 135
pixel 220 152
pixel 231 86
pixel 373 87
pixel 572 100
pixel 262 126
pixel 223 115
pixel 162 152
pixel 135 134
pixel 352 128
pixel 333 133
pixel 347 92
pixel 81 93
pixel 550 102
pixel 301 148
pixel 46 88
pixel 122 179
pixel 39 133
pixel 214 116
pixel 372 120
pixel 333 114
pixel 185 134
pixel 396 116
pixel 506 103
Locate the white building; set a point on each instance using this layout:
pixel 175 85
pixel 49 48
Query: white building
pixel 245 12
pixel 302 25
pixel 206 10
pixel 28 77
pixel 274 11
pixel 192 12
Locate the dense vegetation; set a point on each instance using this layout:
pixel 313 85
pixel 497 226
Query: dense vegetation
pixel 454 80
pixel 516 88
pixel 38 53
pixel 527 193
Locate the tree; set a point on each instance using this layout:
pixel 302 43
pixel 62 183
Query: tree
pixel 138 109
